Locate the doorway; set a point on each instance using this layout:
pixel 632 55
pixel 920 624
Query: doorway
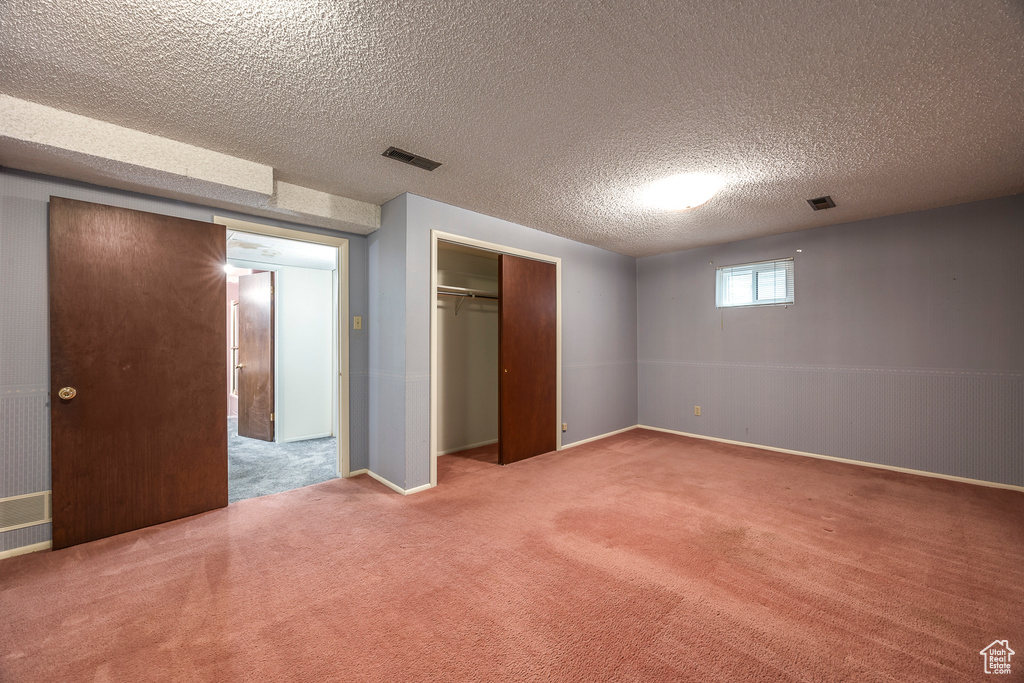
pixel 138 434
pixel 467 352
pixel 495 351
pixel 287 355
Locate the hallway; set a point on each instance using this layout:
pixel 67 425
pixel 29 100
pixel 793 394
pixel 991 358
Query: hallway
pixel 259 468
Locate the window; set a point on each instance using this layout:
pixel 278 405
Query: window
pixel 767 283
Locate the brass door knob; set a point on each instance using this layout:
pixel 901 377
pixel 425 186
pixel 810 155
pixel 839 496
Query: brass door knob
pixel 67 393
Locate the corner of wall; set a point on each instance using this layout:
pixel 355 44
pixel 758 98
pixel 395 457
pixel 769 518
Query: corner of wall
pixel 386 333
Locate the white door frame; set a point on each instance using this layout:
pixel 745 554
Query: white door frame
pixel 439 236
pixel 341 287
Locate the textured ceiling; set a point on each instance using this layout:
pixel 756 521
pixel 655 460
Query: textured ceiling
pixel 555 115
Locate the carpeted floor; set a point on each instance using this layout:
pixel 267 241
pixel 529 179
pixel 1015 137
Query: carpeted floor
pixel 259 468
pixel 640 557
pixel 488 454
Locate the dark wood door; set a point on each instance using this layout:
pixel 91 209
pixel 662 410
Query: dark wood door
pixel 527 352
pixel 256 356
pixel 137 330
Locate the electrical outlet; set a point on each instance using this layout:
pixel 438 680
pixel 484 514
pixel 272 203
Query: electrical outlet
pixel 696 411
pixel 357 322
pixel 565 426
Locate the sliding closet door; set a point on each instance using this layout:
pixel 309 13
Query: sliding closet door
pixel 527 352
pixel 138 407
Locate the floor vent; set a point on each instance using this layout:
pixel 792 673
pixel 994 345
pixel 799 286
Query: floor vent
pixel 410 158
pixel 21 511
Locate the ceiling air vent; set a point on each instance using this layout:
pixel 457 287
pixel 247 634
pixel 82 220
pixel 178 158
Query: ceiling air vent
pixel 411 159
pixel 821 203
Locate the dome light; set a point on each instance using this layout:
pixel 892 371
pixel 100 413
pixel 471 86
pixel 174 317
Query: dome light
pixel 681 192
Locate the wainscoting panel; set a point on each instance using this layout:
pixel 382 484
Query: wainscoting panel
pixel 24 440
pixel 607 398
pixel 30 535
pixel 960 423
pixel 417 430
pixel 387 426
pixel 358 419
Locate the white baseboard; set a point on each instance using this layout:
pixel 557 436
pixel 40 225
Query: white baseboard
pixel 396 487
pixel 26 549
pixel 466 448
pixel 599 436
pixel 324 435
pixel 862 463
pixel 357 472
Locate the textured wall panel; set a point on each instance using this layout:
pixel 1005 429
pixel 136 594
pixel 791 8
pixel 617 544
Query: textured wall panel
pixel 23 305
pixel 417 430
pixel 372 421
pixel 359 418
pixel 598 398
pixel 387 425
pixel 24 360
pixel 957 423
pixel 30 535
pixel 24 441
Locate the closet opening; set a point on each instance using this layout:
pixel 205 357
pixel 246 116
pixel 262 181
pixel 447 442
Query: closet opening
pixel 495 354
pixel 467 352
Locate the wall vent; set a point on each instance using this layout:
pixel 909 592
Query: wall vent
pixel 821 203
pixel 22 511
pixel 410 158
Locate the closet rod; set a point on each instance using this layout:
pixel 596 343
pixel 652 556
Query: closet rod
pixel 469 294
pixel 465 294
pixel 460 291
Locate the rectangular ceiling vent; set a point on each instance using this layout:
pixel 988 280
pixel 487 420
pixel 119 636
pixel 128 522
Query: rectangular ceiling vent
pixel 821 203
pixel 410 158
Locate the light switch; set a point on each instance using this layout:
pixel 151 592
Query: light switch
pixel 357 322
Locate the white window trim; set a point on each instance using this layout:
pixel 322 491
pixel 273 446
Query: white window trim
pixel 787 300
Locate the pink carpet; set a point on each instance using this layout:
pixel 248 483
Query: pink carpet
pixel 641 557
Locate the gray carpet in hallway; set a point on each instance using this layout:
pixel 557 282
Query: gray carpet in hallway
pixel 259 468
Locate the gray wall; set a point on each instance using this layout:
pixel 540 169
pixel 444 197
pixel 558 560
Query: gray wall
pixel 599 334
pixel 24 359
pixel 386 330
pixel 905 345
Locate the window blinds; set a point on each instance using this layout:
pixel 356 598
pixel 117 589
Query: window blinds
pixel 767 283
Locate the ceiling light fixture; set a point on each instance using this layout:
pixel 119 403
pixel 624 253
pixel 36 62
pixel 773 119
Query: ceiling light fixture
pixel 681 192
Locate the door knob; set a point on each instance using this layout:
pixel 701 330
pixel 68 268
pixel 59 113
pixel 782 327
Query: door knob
pixel 238 367
pixel 67 393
